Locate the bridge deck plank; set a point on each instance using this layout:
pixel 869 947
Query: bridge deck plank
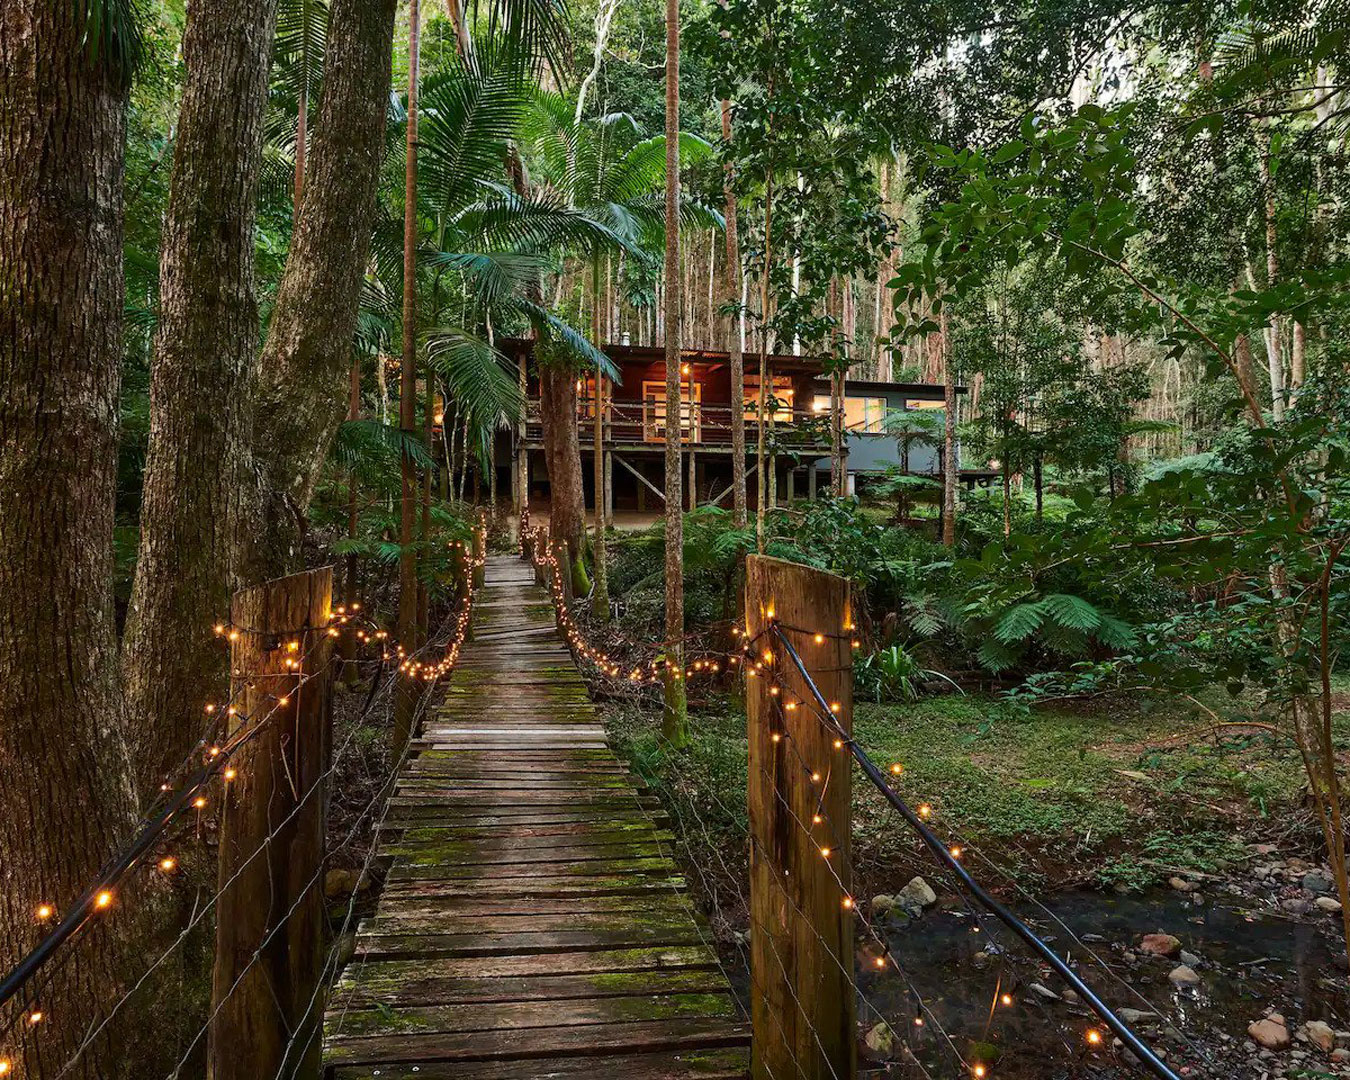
pixel 532 924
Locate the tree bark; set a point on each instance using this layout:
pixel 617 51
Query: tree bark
pixel 298 380
pixel 1274 333
pixel 675 719
pixel 407 403
pixel 67 799
pixel 600 603
pixel 950 465
pixel 735 343
pixel 205 347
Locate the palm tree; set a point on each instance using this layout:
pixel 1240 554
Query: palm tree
pixel 607 170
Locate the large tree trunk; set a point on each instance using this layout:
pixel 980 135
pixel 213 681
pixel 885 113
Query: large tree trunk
pixel 298 382
pixel 67 799
pixel 735 343
pixel 675 720
pixel 562 453
pixel 206 343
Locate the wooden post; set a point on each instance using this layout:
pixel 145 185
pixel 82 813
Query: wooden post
pixel 270 1023
pixel 478 548
pixel 801 929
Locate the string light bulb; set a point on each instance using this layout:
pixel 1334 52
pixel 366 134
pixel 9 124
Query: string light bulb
pixel 168 864
pixel 979 1071
pixel 35 1017
pixel 45 912
pixel 103 900
pixel 1094 1037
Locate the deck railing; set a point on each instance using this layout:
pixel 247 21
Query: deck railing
pixel 634 423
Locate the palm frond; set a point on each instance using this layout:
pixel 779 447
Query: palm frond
pixel 481 380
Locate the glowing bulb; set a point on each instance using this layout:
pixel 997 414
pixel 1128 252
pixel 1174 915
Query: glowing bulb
pixel 1006 999
pixel 4 1068
pixel 825 852
pixel 815 778
pixel 776 737
pixel 918 1021
pixel 820 639
pixel 848 903
pixel 834 706
pixel 838 744
pixel 103 899
pixel 925 811
pixel 1094 1037
pixel 283 700
pixel 956 852
pixel 817 819
pixel 897 769
pixel 44 912
pixel 35 1017
pixel 168 864
pixel 231 773
pixel 199 802
pixel 978 1072
pixel 881 961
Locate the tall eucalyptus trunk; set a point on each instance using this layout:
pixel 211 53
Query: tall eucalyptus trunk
pixel 67 798
pixel 195 467
pixel 675 719
pixel 600 600
pixel 407 400
pixel 562 457
pixel 735 344
pixel 300 377
pixel 950 465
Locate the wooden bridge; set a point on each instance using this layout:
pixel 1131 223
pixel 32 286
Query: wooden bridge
pixel 532 923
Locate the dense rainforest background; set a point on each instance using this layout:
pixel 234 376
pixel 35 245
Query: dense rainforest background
pixel 259 261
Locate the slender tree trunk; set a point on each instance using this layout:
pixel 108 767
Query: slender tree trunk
pixel 424 530
pixel 761 487
pixel 67 794
pixel 199 417
pixel 407 400
pixel 675 720
pixel 301 145
pixel 1274 333
pixel 950 465
pixel 735 344
pixel 347 643
pixel 600 602
pixel 299 379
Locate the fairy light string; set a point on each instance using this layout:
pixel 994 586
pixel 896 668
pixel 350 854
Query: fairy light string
pixel 185 793
pixel 825 712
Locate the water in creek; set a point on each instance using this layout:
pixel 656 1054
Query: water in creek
pixel 1249 962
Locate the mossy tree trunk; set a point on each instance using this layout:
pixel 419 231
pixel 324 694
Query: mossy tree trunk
pixel 675 721
pixel 66 804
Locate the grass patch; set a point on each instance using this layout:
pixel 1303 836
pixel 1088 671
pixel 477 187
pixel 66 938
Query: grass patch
pixel 1111 795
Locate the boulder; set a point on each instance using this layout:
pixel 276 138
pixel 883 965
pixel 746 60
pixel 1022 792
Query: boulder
pixel 1316 884
pixel 881 1039
pixel 1269 1033
pixel 883 905
pixel 1182 885
pixel 917 892
pixel 1321 1035
pixel 1160 945
pixel 1189 958
pixel 1181 975
pixel 338 883
pixel 1329 904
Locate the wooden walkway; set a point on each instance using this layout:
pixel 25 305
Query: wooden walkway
pixel 531 925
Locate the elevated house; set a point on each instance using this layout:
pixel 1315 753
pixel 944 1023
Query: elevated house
pixel 635 426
